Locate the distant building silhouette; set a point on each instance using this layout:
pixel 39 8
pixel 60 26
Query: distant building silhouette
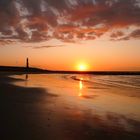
pixel 27 63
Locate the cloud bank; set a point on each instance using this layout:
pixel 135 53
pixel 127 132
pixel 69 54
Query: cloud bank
pixel 68 20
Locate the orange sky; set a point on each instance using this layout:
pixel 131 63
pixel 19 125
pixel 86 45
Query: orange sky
pixel 60 35
pixel 97 55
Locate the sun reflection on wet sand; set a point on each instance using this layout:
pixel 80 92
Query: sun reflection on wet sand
pixel 80 87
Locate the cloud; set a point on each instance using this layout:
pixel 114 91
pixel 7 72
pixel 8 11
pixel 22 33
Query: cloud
pixel 47 46
pixel 68 20
pixel 117 34
pixel 4 42
pixel 43 47
pixel 133 35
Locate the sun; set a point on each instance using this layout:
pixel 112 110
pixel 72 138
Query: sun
pixel 82 67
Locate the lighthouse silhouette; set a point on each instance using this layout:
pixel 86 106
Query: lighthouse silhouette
pixel 27 63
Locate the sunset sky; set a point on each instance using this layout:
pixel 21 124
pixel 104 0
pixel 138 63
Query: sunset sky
pixel 63 34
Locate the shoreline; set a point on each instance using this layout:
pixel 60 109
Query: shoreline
pixel 71 72
pixel 32 70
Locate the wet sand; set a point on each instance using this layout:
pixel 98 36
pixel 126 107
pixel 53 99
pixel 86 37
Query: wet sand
pixel 31 113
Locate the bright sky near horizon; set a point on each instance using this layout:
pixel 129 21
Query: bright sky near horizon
pixel 69 34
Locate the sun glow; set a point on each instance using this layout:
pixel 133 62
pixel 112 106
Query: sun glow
pixel 82 67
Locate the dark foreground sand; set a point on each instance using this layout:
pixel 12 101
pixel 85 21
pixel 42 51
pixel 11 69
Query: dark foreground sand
pixel 26 114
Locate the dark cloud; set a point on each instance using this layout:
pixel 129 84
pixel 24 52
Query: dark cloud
pixel 133 35
pixel 68 20
pixel 8 14
pixel 117 34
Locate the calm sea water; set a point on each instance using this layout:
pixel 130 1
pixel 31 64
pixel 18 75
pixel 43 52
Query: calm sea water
pixel 111 100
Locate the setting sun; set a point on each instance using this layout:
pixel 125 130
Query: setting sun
pixel 82 67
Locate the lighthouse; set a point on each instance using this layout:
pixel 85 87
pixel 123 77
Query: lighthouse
pixel 27 63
